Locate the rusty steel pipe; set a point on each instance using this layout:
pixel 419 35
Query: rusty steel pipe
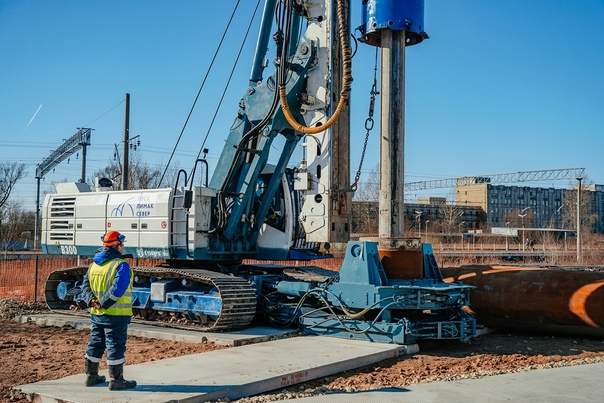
pixel 561 300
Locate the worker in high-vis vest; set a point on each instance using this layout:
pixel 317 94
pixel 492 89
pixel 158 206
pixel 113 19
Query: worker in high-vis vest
pixel 107 290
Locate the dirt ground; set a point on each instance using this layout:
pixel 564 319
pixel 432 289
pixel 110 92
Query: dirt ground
pixel 32 353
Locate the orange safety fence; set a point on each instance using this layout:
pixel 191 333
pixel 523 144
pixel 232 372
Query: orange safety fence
pixel 24 279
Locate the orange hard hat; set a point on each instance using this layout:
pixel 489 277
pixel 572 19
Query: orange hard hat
pixel 112 238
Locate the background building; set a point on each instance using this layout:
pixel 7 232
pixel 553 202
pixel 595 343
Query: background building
pixel 535 207
pixel 482 206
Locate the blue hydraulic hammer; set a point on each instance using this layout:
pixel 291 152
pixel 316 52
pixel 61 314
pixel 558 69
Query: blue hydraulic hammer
pixel 395 15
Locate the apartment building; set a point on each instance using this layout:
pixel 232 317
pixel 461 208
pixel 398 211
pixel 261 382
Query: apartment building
pixel 532 207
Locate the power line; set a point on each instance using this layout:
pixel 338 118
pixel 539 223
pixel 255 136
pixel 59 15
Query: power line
pixel 121 102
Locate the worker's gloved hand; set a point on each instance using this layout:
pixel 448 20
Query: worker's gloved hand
pixel 95 303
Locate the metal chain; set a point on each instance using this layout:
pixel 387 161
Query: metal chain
pixel 369 123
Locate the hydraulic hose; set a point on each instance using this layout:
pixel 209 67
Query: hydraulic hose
pixel 346 81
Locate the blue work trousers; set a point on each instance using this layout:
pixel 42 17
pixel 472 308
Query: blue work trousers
pixel 110 336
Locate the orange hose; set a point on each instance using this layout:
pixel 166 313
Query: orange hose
pixel 346 81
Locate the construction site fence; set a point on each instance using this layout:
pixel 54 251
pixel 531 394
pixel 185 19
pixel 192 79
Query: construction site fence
pixel 23 275
pixel 24 279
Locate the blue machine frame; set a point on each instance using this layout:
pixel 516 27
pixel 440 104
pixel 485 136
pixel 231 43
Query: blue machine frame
pixel 364 304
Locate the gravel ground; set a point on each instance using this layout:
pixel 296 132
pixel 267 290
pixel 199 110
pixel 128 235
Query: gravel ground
pixel 32 353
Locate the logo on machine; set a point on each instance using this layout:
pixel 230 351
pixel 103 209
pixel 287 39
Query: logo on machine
pixel 144 206
pixel 140 206
pixel 119 209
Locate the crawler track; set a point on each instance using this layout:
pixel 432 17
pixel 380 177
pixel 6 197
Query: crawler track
pixel 237 295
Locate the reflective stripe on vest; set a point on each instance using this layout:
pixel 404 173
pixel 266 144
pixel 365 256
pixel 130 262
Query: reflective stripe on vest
pixel 101 278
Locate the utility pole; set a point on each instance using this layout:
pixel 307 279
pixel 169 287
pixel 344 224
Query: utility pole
pixel 522 215
pixel 84 144
pixel 126 141
pixel 579 179
pixel 81 139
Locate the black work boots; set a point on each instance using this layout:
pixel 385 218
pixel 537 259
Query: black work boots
pixel 92 373
pixel 116 374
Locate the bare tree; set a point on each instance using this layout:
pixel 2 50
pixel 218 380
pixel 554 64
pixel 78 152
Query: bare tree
pixel 15 225
pixel 369 190
pixel 140 174
pixel 518 218
pixel 365 214
pixel 10 173
pixel 450 218
pixel 569 213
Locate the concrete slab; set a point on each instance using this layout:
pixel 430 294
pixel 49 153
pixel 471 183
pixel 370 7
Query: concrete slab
pixel 580 383
pixel 233 338
pixel 233 373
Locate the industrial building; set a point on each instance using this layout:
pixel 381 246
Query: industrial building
pixel 536 207
pixel 482 206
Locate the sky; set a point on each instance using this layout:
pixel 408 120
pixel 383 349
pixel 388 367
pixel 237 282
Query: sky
pixel 500 86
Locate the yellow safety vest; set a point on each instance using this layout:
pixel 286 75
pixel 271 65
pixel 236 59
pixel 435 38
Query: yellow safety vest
pixel 101 278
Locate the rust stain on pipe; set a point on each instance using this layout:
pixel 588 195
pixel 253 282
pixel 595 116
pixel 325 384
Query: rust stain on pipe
pixel 578 302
